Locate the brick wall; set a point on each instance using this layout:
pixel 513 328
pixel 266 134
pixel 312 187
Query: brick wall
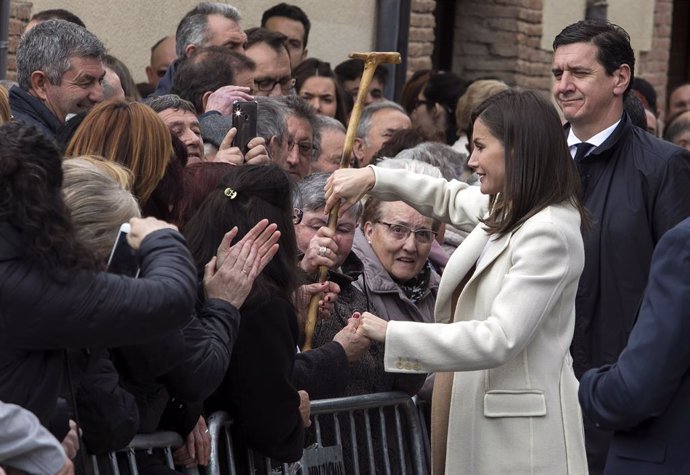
pixel 20 13
pixel 501 39
pixel 421 38
pixel 652 65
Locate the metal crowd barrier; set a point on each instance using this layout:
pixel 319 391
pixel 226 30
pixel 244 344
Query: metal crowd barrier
pixel 164 441
pixel 381 431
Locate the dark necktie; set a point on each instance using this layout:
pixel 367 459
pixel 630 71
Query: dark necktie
pixel 582 149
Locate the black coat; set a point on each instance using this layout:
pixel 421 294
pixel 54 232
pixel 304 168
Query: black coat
pixel 28 109
pixel 39 317
pixel 636 187
pixel 644 396
pixel 186 365
pixel 258 390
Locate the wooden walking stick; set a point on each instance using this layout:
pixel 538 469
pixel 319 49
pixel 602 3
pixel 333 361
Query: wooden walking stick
pixel 371 61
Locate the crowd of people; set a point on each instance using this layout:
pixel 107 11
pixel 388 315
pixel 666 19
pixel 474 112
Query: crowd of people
pixel 525 272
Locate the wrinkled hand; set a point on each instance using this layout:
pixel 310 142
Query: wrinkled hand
pixel 197 447
pixel 372 327
pixel 304 408
pixel 313 255
pixel 348 185
pixel 257 153
pixel 226 152
pixel 241 264
pixel 353 342
pixel 222 99
pixel 328 291
pixel 71 441
pixel 140 228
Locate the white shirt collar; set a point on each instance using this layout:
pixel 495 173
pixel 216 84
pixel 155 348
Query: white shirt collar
pixel 596 140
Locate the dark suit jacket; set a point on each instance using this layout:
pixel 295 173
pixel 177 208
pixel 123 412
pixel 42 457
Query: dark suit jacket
pixel 645 396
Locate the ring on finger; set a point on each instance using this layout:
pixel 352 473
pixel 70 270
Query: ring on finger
pixel 323 250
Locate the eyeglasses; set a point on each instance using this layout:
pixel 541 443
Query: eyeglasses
pixel 401 233
pixel 268 84
pixel 305 148
pixel 297 215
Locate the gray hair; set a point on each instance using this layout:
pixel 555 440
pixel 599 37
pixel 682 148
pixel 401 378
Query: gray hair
pixel 98 204
pixel 311 196
pixel 449 161
pixel 300 108
pixel 193 28
pixel 49 46
pixel 413 166
pixel 169 101
pixel 368 113
pixel 271 119
pixel 325 123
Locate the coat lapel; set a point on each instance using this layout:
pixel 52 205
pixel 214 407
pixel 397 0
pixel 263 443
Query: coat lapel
pixel 462 260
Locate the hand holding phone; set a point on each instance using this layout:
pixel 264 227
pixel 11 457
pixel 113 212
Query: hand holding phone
pixel 123 259
pixel 244 115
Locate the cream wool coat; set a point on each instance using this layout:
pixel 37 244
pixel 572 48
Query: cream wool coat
pixel 514 406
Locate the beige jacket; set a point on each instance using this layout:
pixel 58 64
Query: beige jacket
pixel 514 406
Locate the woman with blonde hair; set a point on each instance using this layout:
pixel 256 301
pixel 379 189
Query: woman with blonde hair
pixel 128 133
pixel 5 112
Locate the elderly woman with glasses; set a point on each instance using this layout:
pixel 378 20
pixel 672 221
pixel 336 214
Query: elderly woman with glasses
pixel 394 247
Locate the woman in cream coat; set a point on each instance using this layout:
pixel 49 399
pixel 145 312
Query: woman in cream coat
pixel 506 303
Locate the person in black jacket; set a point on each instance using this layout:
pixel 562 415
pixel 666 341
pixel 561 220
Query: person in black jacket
pixel 635 187
pixel 269 413
pixel 51 295
pixel 644 395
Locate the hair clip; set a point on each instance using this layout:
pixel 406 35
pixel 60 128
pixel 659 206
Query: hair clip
pixel 230 193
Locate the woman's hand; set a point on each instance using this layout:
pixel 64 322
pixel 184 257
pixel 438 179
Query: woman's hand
pixel 242 263
pixel 226 152
pixel 197 448
pixel 264 234
pixel 257 153
pixel 140 228
pixel 328 291
pixel 304 408
pixel 322 251
pixel 372 327
pixel 71 441
pixel 349 185
pixel 353 342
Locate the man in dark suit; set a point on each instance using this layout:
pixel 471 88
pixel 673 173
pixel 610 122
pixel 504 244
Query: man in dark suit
pixel 645 395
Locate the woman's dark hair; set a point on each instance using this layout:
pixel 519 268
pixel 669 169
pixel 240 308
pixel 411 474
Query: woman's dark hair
pixel 244 197
pixel 198 180
pixel 164 202
pixel 539 170
pixel 412 88
pixel 315 67
pixel 31 200
pixel 445 89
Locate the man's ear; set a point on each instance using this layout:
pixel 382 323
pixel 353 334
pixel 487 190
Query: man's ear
pixel 621 79
pixel 39 85
pixel 368 230
pixel 305 54
pixel 204 100
pixel 189 49
pixel 358 149
pixel 150 74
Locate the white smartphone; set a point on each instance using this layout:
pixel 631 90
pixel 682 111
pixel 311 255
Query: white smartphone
pixel 123 260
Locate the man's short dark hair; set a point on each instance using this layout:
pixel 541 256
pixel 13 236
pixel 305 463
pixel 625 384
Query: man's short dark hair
pixel 293 12
pixel 678 125
pixel 612 42
pixel 352 69
pixel 645 88
pixel 272 38
pixel 58 14
pixel 207 69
